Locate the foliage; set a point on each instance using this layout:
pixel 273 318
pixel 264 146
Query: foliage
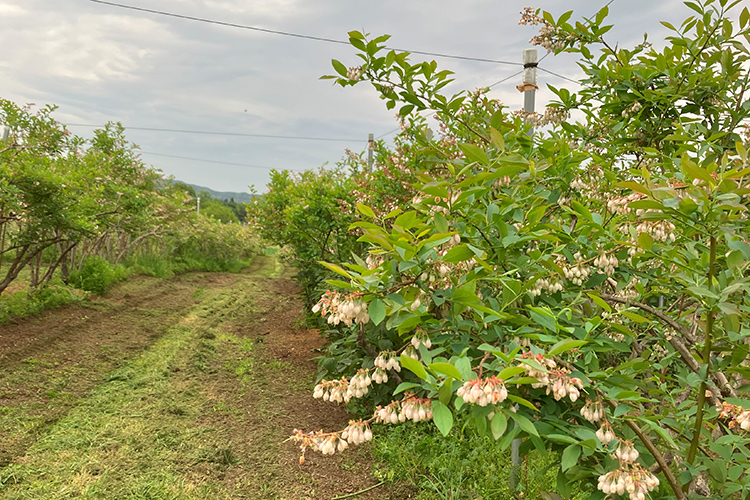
pixel 77 209
pixel 30 302
pixel 584 288
pixel 97 275
pixel 456 467
pixel 309 212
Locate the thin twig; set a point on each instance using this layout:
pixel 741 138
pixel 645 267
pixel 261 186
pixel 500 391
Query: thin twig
pixel 350 495
pixel 673 483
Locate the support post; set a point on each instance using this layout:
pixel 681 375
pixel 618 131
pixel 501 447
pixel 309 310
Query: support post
pixel 529 88
pixel 199 204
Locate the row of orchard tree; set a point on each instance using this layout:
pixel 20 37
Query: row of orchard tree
pixel 584 288
pixel 63 200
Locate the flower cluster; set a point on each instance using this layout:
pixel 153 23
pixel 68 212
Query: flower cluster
pixel 421 338
pixel 621 204
pixel 379 376
pixel 326 443
pixel 563 385
pixel 357 432
pixel 373 261
pixel 549 35
pixel 551 285
pixel 502 182
pixel 412 353
pixel 483 391
pixel 606 263
pixel 737 415
pixel 359 385
pixel 387 361
pixel 354 73
pixel 626 452
pixel 333 390
pixel 553 116
pixel 540 375
pixel 661 230
pixel 347 309
pixel 605 434
pixel 636 481
pixel 593 411
pixel 410 408
pixel 632 110
pixel 577 273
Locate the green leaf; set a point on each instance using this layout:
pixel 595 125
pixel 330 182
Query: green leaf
pixel 365 210
pixel 510 371
pixel 581 210
pixel 524 423
pixel 566 345
pixel 340 284
pixel 445 393
pixel 475 153
pixel 645 241
pixel 563 485
pixel 518 399
pixel 570 456
pixel 376 310
pixel 407 220
pixel 336 269
pixel 446 369
pixel 403 386
pixel 497 139
pixel 693 171
pixel 443 417
pixel 458 253
pixel 634 317
pixel 645 205
pixel 600 302
pixel 463 365
pixel 416 367
pixel 498 425
pixel 543 316
pixel 339 67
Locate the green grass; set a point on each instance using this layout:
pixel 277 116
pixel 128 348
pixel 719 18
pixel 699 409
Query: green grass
pixel 458 467
pixel 142 433
pixel 24 303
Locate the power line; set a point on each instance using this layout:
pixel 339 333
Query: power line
pixel 505 79
pixel 296 35
pixel 232 134
pixel 560 76
pixel 213 161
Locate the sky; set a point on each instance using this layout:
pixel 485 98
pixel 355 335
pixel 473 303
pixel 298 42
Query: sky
pixel 101 63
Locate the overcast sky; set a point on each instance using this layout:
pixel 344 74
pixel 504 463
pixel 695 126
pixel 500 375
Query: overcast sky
pixel 100 63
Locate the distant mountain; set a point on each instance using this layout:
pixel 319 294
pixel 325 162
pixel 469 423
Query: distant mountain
pixel 221 195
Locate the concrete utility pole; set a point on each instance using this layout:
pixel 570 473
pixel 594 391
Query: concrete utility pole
pixel 370 146
pixel 529 88
pixel 199 204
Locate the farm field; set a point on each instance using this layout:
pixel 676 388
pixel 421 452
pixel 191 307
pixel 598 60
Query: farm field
pixel 180 388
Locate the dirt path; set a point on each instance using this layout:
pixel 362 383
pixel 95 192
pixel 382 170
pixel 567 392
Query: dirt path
pixel 177 389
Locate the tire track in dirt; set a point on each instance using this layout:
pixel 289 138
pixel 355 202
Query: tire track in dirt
pixel 49 362
pixel 277 398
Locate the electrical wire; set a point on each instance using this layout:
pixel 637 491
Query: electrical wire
pixel 213 161
pixel 231 134
pixel 296 35
pixel 560 76
pixel 505 79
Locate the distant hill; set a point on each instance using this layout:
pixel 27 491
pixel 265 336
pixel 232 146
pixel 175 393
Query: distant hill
pixel 221 195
